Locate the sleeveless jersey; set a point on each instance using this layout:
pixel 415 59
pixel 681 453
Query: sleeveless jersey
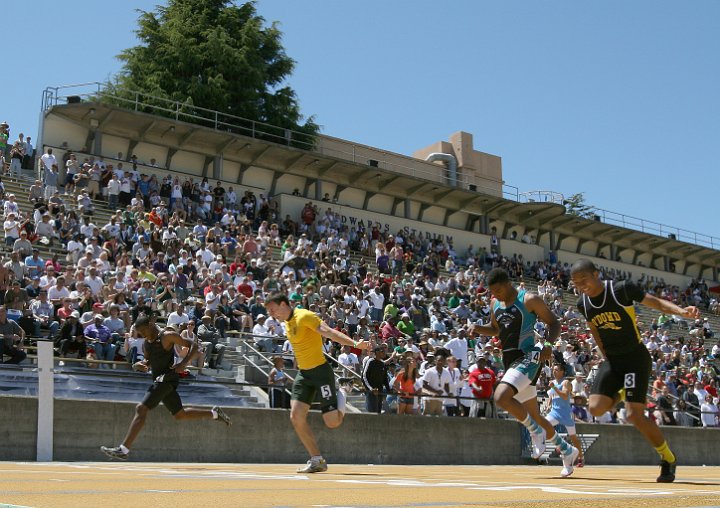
pixel 517 328
pixel 560 408
pixel 613 315
pixel 161 360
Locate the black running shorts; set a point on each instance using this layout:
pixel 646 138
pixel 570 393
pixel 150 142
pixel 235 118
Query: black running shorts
pixel 630 371
pixel 165 392
pixel 319 380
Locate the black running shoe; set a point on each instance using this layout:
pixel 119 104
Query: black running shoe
pixel 114 453
pixel 222 416
pixel 667 472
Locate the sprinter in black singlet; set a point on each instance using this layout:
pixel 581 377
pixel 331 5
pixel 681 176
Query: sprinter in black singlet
pixel 160 359
pixel 609 309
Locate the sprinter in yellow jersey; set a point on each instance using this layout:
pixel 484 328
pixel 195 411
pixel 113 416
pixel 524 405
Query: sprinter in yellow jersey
pixel 306 330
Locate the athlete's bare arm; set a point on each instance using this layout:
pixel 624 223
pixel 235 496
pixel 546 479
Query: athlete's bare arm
pixel 564 390
pixel 339 337
pixel 171 339
pixel 537 306
pixel 670 308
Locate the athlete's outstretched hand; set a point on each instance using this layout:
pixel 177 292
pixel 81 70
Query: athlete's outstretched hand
pixel 363 344
pixel 545 354
pixel 691 312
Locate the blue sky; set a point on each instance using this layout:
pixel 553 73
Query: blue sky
pixel 615 99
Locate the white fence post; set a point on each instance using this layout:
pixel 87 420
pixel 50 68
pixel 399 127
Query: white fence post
pixel 46 401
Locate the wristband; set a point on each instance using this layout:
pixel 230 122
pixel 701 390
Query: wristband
pixel 355 344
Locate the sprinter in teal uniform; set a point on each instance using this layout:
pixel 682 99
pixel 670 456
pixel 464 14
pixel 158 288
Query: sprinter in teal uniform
pixel 512 320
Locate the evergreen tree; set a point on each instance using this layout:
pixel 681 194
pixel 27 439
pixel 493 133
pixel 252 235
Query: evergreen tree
pixel 216 55
pixel 575 205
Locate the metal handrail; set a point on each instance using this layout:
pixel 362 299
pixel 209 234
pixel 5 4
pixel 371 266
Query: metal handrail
pixel 542 196
pixel 255 129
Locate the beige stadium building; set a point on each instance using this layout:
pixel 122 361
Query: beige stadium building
pixel 447 190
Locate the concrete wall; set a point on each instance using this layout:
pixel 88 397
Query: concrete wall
pixel 265 435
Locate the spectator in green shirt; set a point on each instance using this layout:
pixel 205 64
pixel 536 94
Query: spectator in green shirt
pixel 406 326
pixel 390 310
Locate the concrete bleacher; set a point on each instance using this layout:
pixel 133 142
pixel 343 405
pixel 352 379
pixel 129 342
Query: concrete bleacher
pixel 80 383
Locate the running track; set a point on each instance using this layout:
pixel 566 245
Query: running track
pixel 152 485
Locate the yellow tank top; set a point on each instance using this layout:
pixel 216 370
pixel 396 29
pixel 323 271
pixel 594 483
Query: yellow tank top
pixel 307 343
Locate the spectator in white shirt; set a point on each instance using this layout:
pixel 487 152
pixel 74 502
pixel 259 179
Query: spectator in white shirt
pixel 348 359
pixel 178 317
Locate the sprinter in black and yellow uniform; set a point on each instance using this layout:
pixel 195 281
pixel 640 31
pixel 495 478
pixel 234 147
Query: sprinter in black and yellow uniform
pixel 609 309
pixel 306 330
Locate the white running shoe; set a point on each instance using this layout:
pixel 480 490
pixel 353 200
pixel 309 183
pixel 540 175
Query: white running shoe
pixel 538 444
pixel 568 462
pixel 314 466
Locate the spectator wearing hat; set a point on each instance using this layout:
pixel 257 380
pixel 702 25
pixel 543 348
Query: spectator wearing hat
pixel 406 326
pixel 579 408
pixel 262 334
pixel 72 340
pixel 375 379
pixel 482 382
pixel 101 337
pixel 22 245
pixel 209 337
pixel 12 227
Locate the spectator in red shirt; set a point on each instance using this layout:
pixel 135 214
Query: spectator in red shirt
pixel 711 388
pixel 244 288
pixel 390 333
pixel 482 382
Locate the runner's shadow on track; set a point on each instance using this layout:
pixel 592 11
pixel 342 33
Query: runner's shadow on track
pixel 625 480
pixel 364 474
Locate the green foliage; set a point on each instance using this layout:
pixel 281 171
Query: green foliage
pixel 215 55
pixel 575 205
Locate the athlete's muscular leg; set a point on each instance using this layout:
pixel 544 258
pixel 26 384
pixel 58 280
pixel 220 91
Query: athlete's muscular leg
pixel 531 406
pixel 193 414
pixel 598 404
pixel 333 419
pixel 136 425
pixel 505 398
pixel 298 417
pixel 635 412
pixel 576 443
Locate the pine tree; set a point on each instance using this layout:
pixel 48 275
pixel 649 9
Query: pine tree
pixel 216 55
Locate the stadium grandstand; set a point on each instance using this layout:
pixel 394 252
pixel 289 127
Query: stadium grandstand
pixel 130 206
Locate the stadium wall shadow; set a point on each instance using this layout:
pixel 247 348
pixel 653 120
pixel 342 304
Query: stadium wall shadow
pixel 266 436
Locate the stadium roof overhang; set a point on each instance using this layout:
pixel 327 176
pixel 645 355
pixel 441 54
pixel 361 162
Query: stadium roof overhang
pixel 249 151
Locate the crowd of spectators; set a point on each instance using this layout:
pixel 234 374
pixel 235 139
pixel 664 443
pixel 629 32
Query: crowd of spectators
pixel 203 258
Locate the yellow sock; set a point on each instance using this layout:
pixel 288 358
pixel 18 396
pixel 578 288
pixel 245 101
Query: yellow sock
pixel 665 453
pixel 621 394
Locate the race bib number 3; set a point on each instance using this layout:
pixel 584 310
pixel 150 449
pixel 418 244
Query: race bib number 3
pixel 630 380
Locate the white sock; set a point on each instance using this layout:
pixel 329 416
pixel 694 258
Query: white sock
pixel 124 449
pixel 341 399
pixel 214 413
